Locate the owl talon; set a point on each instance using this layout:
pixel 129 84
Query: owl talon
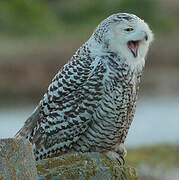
pixel 114 156
pixel 118 154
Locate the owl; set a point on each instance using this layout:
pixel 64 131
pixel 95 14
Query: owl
pixel 90 104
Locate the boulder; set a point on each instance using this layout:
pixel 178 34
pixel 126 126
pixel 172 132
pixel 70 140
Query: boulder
pixel 17 160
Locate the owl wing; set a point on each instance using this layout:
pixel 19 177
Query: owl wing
pixel 67 107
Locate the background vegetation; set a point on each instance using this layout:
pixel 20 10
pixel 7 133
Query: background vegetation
pixel 39 17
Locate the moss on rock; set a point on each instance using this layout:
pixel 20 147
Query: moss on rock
pixel 86 166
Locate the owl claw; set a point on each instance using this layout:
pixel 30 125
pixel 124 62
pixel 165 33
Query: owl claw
pixel 118 154
pixel 114 156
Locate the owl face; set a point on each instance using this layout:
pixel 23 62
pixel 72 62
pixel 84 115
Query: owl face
pixel 130 37
pixel 125 35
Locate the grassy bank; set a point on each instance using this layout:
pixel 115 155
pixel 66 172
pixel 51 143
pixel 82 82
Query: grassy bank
pixel 158 162
pixel 158 155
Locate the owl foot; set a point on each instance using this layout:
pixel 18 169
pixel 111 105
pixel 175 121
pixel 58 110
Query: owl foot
pixel 118 154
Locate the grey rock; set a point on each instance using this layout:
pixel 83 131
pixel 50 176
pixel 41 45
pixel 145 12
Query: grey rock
pixel 17 160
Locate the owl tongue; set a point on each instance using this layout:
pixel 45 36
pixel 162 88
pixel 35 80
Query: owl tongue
pixel 133 46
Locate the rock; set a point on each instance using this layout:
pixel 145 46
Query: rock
pixel 17 160
pixel 86 166
pixel 17 163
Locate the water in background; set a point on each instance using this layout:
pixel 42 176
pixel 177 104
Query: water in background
pixel 156 121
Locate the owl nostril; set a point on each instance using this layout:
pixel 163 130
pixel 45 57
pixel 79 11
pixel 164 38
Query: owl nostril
pixel 146 37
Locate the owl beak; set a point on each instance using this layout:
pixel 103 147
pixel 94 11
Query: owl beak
pixel 133 46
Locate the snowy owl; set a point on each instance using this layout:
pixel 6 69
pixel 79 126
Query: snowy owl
pixel 90 104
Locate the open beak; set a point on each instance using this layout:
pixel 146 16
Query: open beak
pixel 133 46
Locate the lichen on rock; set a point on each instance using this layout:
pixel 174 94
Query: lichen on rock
pixel 17 160
pixel 83 166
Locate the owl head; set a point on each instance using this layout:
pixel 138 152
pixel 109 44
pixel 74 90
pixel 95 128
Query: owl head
pixel 126 35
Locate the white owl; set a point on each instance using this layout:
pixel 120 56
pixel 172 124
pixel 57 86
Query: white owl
pixel 90 103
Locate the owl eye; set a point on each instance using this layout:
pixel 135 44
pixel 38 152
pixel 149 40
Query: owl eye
pixel 129 29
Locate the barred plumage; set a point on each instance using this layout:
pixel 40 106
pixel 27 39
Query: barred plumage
pixel 90 104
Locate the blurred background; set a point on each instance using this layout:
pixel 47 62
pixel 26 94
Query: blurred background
pixel 37 37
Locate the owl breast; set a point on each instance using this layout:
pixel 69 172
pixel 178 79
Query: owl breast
pixel 114 112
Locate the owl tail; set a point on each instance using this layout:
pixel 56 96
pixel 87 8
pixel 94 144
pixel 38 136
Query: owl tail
pixel 29 124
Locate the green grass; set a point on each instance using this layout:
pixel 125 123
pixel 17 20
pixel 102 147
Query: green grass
pixel 49 18
pixel 158 155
